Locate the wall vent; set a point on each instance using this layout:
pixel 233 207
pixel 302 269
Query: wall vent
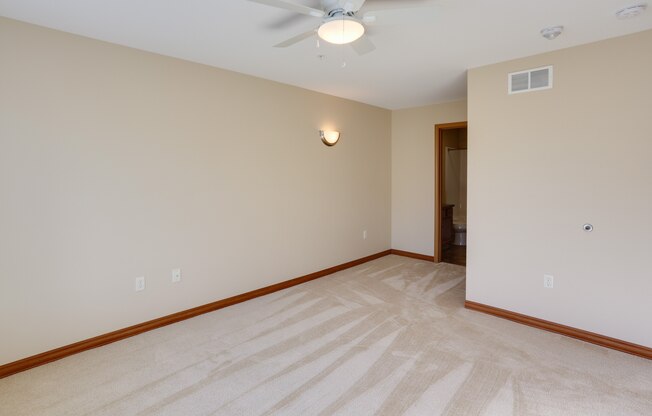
pixel 531 80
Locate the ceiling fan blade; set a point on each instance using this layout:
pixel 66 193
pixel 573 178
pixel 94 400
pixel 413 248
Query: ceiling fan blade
pixel 402 16
pixel 353 5
pixel 363 46
pixel 287 21
pixel 396 4
pixel 294 7
pixel 296 39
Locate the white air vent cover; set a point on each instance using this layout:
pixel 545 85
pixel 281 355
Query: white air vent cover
pixel 530 80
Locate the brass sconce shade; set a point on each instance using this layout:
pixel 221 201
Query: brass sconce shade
pixel 329 137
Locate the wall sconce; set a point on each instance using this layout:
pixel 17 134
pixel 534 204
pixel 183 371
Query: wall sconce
pixel 329 137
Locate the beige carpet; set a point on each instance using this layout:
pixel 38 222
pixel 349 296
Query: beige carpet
pixel 389 337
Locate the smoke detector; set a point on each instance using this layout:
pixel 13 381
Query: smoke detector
pixel 631 11
pixel 551 33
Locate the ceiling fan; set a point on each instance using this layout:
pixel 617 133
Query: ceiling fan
pixel 343 22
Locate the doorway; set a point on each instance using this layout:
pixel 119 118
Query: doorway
pixel 450 192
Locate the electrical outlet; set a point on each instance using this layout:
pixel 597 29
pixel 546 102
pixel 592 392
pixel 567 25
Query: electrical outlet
pixel 548 281
pixel 139 284
pixel 176 275
pixel 364 235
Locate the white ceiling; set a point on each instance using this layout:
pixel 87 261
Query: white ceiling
pixel 420 62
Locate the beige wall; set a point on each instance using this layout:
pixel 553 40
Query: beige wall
pixel 543 163
pixel 413 173
pixel 116 163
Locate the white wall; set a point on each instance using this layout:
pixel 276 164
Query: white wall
pixel 543 163
pixel 116 163
pixel 413 174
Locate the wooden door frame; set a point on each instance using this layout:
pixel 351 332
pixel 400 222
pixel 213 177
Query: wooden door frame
pixel 439 177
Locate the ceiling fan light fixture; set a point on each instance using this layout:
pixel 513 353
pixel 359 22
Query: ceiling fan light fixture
pixel 551 33
pixel 341 30
pixel 631 11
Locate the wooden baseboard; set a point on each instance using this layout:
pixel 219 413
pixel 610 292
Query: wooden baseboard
pixel 412 255
pixel 65 351
pixel 593 338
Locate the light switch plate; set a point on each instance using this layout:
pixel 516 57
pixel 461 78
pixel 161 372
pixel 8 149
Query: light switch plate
pixel 139 284
pixel 176 275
